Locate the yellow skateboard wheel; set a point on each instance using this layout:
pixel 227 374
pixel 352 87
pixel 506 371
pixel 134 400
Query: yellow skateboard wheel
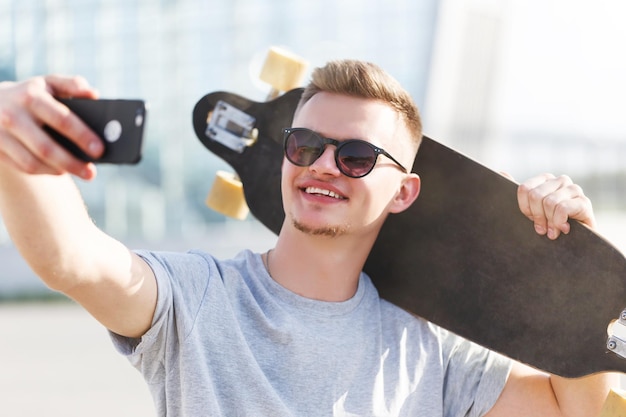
pixel 283 70
pixel 615 405
pixel 226 196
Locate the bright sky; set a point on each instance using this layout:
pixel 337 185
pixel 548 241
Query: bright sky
pixel 565 66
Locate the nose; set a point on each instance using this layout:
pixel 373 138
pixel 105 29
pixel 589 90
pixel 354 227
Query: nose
pixel 326 164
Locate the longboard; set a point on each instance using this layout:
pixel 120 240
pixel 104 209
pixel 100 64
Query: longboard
pixel 463 256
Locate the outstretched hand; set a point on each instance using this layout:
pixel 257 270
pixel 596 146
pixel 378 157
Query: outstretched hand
pixel 25 107
pixel 550 201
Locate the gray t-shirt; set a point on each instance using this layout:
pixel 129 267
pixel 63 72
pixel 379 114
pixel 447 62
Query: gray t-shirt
pixel 227 340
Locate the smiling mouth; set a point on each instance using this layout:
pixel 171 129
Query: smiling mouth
pixel 320 191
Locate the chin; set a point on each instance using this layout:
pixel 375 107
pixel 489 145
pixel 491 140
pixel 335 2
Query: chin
pixel 326 230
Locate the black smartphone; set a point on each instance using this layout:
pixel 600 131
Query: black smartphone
pixel 119 124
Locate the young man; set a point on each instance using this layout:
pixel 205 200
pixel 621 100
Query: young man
pixel 298 330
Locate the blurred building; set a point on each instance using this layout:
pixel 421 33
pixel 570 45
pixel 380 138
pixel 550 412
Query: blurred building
pixel 532 86
pixel 524 86
pixel 171 53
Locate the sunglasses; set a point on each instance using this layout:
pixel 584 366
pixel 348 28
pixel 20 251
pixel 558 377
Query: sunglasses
pixel 355 158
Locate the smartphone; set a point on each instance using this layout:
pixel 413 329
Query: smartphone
pixel 119 124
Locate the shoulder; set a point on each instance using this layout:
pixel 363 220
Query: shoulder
pixel 399 323
pixel 173 263
pixel 186 263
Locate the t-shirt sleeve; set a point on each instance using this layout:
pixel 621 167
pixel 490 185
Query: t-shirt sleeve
pixel 474 376
pixel 174 315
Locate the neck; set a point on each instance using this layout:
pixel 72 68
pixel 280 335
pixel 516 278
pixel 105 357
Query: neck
pixel 318 267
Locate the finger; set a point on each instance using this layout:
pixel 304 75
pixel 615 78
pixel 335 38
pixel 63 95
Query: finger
pixel 36 96
pixel 13 153
pixel 9 161
pixel 33 105
pixel 33 141
pixel 524 189
pixel 59 117
pixel 567 202
pixel 570 203
pixel 561 200
pixel 530 195
pixel 556 207
pixel 556 196
pixel 558 223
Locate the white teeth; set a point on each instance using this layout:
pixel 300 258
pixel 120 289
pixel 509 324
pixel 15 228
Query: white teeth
pixel 328 193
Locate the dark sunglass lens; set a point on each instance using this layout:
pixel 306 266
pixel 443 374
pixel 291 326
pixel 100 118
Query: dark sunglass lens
pixel 303 147
pixel 356 159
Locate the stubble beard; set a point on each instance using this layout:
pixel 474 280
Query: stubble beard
pixel 326 231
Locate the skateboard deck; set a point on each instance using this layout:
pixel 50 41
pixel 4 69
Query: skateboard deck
pixel 463 256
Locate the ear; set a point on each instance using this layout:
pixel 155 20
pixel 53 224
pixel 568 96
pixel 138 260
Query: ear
pixel 407 194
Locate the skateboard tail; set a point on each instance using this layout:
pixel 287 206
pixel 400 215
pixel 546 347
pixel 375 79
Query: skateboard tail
pixel 473 264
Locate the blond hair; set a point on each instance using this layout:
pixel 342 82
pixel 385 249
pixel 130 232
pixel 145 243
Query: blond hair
pixel 366 80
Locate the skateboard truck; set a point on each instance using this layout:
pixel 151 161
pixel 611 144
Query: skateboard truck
pixel 616 342
pixel 231 127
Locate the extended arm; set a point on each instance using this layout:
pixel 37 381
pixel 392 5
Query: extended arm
pixel 47 218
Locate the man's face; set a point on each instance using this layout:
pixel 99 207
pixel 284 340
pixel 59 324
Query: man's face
pixel 319 199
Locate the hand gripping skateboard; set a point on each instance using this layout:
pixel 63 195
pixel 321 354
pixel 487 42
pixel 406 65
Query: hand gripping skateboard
pixel 463 256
